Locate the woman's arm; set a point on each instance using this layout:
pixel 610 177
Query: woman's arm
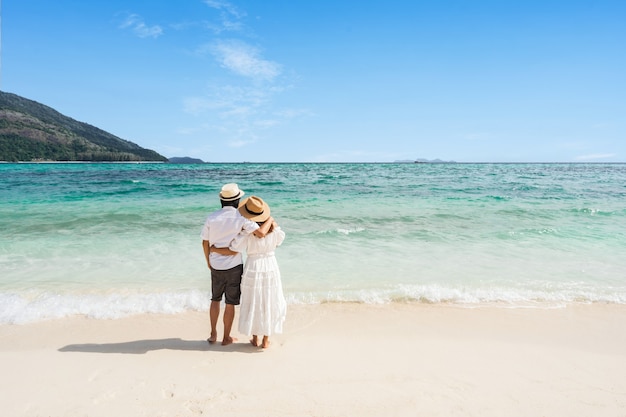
pixel 265 228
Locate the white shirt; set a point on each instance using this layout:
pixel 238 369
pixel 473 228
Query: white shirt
pixel 258 246
pixel 220 228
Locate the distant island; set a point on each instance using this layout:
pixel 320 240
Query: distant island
pixel 33 132
pixel 185 160
pixel 423 161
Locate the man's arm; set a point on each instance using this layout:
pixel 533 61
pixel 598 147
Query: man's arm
pixel 223 251
pixel 206 247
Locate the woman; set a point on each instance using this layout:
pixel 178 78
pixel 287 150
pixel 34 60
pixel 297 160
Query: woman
pixel 263 307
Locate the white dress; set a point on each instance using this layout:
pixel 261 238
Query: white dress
pixel 263 307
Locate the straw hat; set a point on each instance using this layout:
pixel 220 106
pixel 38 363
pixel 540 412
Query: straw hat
pixel 255 209
pixel 231 192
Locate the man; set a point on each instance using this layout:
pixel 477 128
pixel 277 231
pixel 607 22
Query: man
pixel 219 229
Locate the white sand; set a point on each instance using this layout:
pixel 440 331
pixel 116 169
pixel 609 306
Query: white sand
pixel 333 360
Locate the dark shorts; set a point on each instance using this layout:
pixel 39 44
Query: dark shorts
pixel 226 282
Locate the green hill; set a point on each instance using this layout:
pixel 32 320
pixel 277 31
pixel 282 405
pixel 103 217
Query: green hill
pixel 30 131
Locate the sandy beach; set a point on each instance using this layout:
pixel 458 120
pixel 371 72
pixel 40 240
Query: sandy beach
pixel 332 360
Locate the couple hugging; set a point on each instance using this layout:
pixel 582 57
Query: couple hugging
pixel 238 226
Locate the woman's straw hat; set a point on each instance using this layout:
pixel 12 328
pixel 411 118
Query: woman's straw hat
pixel 255 209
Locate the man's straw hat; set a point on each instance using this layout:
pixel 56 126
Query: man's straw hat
pixel 231 192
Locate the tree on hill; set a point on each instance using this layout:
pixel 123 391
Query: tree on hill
pixel 30 131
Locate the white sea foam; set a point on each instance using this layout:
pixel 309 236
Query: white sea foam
pixel 436 294
pixel 26 308
pixel 20 308
pixel 342 231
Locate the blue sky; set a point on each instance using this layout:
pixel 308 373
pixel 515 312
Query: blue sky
pixel 331 81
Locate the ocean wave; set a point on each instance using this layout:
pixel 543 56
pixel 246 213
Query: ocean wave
pixel 434 294
pixel 31 307
pixel 22 308
pixel 341 231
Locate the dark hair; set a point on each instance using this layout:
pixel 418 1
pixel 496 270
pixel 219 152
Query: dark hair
pixel 271 229
pixel 233 203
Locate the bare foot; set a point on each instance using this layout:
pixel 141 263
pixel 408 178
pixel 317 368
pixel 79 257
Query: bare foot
pixel 213 338
pixel 266 342
pixel 254 341
pixel 228 340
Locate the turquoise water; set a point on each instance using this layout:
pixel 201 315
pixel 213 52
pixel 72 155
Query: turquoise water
pixel 111 240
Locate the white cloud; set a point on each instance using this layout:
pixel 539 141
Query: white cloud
pixel 245 60
pixel 230 17
pixel 233 111
pixel 595 156
pixel 293 113
pixel 197 105
pixel 226 7
pixel 237 112
pixel 137 25
pixel 266 123
pixel 241 108
pixel 228 101
pixel 225 25
pixel 188 131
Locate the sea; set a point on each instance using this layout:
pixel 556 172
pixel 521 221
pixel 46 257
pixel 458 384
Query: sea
pixel 109 240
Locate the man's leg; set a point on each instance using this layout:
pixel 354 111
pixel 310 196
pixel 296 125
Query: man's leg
pixel 229 317
pixel 233 295
pixel 218 285
pixel 214 313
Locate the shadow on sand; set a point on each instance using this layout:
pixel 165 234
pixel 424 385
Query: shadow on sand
pixel 145 346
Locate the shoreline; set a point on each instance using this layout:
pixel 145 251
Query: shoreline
pixel 100 313
pixel 40 307
pixel 417 162
pixel 334 359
